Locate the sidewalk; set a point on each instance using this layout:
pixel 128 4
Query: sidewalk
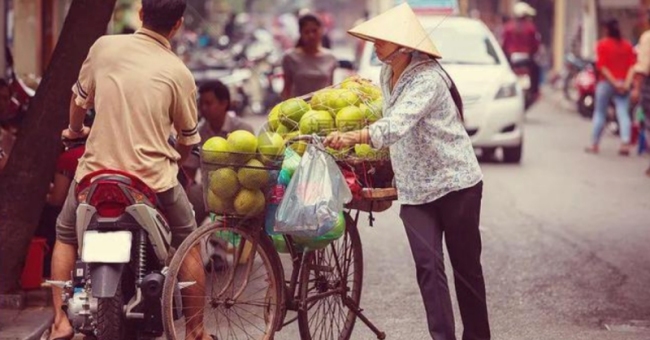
pixel 25 324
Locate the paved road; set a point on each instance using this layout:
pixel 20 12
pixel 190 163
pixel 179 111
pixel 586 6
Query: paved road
pixel 565 236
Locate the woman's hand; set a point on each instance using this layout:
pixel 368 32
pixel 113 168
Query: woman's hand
pixel 340 140
pixel 621 87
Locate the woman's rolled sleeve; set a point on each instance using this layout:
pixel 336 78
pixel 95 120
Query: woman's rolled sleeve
pixel 407 111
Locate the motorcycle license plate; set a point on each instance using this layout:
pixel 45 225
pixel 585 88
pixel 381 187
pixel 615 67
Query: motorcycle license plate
pixel 106 247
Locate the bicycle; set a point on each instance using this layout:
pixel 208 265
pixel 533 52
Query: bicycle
pixel 324 286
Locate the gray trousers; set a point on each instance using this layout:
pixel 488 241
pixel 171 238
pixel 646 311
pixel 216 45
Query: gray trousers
pixel 456 216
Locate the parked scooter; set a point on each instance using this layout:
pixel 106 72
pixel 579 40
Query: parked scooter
pixel 574 65
pixel 585 83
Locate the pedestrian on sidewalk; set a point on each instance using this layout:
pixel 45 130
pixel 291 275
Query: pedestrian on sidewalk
pixel 309 66
pixel 438 178
pixel 641 88
pixel 615 60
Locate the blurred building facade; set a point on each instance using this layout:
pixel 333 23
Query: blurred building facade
pixel 31 27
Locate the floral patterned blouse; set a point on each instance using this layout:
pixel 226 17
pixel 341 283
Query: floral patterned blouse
pixel 431 153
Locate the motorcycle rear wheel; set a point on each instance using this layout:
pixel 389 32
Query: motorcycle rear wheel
pixel 111 323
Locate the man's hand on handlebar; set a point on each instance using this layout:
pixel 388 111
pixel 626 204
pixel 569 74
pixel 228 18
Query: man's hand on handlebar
pixel 68 134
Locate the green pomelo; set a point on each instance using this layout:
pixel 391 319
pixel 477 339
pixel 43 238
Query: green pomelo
pixel 350 118
pixel 283 130
pixel 249 203
pixel 224 183
pixel 215 151
pixel 253 176
pixel 291 111
pixel 371 111
pixel 270 144
pixel 274 118
pixel 299 147
pixel 316 122
pixel 319 100
pixel 242 141
pixel 218 205
pixel 341 98
pixel 365 151
pixel 371 92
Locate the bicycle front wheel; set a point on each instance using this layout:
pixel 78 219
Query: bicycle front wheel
pixel 330 287
pixel 230 286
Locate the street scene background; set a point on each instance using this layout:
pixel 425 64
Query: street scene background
pixel 565 233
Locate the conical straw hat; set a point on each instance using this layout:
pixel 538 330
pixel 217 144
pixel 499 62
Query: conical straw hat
pixel 400 26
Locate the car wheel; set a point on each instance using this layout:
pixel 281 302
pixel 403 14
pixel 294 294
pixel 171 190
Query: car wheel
pixel 512 154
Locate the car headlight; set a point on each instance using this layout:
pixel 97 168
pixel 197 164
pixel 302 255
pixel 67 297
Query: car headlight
pixel 507 91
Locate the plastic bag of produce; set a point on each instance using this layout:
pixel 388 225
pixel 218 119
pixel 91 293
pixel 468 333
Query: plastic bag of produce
pixel 314 198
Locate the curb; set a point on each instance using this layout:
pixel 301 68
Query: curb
pixel 38 331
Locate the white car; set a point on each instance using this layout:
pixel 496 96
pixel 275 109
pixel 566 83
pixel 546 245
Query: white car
pixel 493 100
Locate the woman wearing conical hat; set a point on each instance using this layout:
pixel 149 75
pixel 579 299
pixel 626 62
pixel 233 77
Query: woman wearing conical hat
pixel 438 178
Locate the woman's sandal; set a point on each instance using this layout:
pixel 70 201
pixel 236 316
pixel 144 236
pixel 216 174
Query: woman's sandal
pixel 592 150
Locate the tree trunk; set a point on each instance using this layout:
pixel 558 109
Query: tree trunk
pixel 25 181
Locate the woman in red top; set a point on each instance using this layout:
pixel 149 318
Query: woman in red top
pixel 615 61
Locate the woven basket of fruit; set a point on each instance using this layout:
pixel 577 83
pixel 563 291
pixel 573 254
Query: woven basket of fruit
pixel 239 172
pixel 349 106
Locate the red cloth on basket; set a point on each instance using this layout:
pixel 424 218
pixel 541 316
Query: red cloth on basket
pixel 353 183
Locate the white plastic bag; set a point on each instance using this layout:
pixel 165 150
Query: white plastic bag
pixel 314 197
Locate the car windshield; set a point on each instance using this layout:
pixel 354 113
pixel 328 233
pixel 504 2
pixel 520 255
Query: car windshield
pixel 459 45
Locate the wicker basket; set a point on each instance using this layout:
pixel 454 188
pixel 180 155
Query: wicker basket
pixel 376 179
pixel 234 187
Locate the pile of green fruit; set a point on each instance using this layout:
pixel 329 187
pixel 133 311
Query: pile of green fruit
pixel 236 171
pixel 354 104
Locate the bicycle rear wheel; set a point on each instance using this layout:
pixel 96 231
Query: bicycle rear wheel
pixel 330 285
pixel 241 290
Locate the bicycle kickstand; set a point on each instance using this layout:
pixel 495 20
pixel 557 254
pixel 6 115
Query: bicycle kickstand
pixel 359 313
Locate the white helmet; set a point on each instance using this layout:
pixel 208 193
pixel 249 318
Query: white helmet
pixel 522 9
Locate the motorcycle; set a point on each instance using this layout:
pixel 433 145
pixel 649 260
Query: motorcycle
pixel 124 245
pixel 521 66
pixel 585 83
pixel 574 65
